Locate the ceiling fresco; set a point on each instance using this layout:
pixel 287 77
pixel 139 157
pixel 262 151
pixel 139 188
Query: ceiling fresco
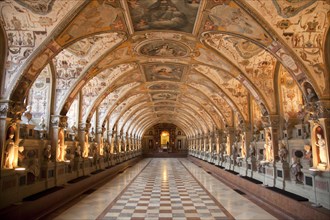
pixel 163 14
pixel 202 65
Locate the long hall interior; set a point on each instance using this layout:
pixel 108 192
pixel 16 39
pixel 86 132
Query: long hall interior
pixel 164 109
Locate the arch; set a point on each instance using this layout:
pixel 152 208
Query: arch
pixel 3 57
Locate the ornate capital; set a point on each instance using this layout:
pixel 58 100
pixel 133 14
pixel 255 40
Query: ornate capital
pixel 84 127
pixel 100 130
pixel 59 121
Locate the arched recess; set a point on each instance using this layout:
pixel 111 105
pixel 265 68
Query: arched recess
pixel 143 124
pixel 196 122
pixel 181 121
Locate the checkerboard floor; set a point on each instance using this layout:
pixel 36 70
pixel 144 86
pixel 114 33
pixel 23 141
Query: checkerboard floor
pixel 165 189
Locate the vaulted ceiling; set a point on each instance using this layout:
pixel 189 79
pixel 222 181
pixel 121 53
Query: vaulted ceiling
pixel 201 65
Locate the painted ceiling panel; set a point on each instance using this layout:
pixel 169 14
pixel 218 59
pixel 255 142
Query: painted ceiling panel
pixel 163 14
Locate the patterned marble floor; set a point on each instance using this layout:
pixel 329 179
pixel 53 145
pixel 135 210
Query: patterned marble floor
pixel 165 188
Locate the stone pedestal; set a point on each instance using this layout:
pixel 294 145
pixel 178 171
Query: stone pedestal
pixel 10 182
pixel 87 166
pixel 282 174
pixel 319 181
pixel 114 159
pixel 100 163
pixel 251 166
pixel 221 160
pixel 244 167
pixel 48 170
pixel 269 179
pixel 228 163
pixel 78 165
pixel 60 177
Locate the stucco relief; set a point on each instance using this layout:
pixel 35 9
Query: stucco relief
pixel 236 20
pixel 197 99
pixel 98 84
pixel 290 94
pixel 290 8
pixel 133 113
pixel 73 113
pixel 256 112
pixel 231 86
pixel 71 63
pixel 257 64
pixel 224 106
pixel 107 102
pixel 303 25
pixel 39 95
pixel 137 102
pixel 97 16
pixel 125 86
pixel 204 92
pixel 26 27
pixel 211 58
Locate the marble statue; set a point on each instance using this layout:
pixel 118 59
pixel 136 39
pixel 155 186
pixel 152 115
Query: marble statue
pixel 77 152
pixel 228 146
pixel 61 151
pixel 311 95
pixel 86 147
pixel 243 145
pixel 27 115
pixel 296 170
pixel 42 124
pixel 268 147
pixel 251 151
pixel 322 149
pixel 61 147
pixel 47 152
pixel 308 152
pixel 74 131
pixel 101 147
pixel 10 150
pixel 283 152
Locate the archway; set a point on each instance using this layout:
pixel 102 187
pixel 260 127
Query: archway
pixel 164 140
